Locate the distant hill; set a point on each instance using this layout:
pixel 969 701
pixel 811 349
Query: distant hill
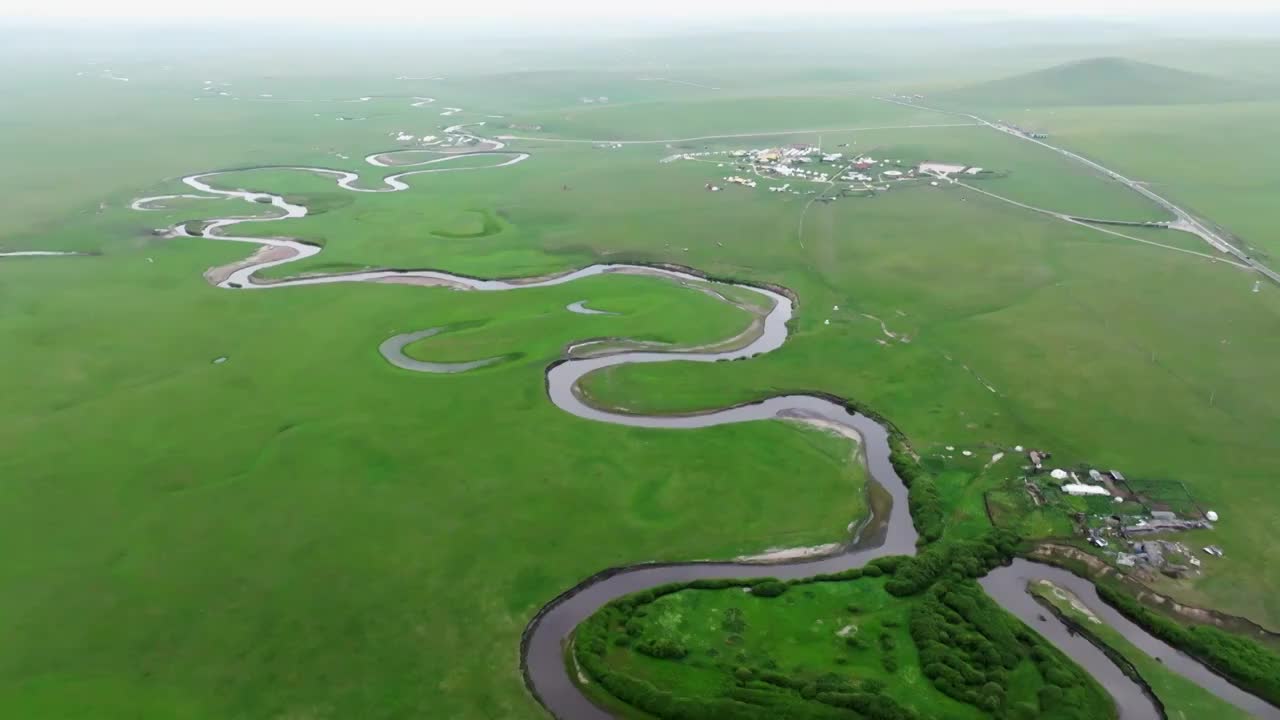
pixel 1102 81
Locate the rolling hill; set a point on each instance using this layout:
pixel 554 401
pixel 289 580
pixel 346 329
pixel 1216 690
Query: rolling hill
pixel 1103 81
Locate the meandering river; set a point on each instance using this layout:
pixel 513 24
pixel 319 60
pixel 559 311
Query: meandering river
pixel 888 532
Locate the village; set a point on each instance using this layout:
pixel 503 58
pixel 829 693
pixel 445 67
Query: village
pixel 804 169
pixel 1130 523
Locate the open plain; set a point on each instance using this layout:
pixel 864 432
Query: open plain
pixel 223 501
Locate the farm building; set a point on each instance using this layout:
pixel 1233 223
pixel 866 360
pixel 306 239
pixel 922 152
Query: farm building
pixel 936 168
pixel 1082 489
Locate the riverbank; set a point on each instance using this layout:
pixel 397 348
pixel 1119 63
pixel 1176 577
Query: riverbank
pixel 1170 689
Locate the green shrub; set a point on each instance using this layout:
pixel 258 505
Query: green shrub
pixel 923 499
pixel 887 642
pixel 769 589
pixel 662 648
pixel 733 621
pixel 842 576
pixel 873 686
pixel 873 706
pixel 957 560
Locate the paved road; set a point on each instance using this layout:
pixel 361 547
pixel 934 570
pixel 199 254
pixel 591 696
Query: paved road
pixel 1083 222
pixel 1184 220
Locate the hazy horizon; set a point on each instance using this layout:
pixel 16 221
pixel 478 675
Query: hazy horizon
pixel 655 12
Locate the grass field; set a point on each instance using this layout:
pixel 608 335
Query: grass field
pixel 304 531
pixel 862 641
pixel 991 318
pixel 296 508
pixel 810 632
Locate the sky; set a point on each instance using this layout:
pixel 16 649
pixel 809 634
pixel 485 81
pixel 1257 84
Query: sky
pixel 545 10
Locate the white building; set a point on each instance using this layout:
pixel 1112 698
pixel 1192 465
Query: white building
pixel 941 169
pixel 1082 489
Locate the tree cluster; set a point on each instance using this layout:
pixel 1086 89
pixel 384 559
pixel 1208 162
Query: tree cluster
pixel 969 646
pixel 959 559
pixel 923 499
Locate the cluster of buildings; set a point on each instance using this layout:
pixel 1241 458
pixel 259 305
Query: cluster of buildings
pixel 804 162
pixel 1080 483
pixel 1104 482
pixel 1134 534
pixel 1171 558
pixel 801 173
pixel 794 161
pixel 1164 521
pixel 402 136
pixel 1166 557
pixel 946 170
pixel 603 100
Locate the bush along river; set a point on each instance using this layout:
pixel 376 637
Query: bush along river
pixel 890 530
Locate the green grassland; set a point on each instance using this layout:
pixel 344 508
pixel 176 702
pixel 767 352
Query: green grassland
pixel 717 116
pixel 895 640
pixel 564 200
pixel 306 531
pixel 883 251
pixel 1007 311
pixel 641 314
pixel 306 506
pixel 1181 697
pixel 809 632
pixel 470 224
pixel 1167 236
